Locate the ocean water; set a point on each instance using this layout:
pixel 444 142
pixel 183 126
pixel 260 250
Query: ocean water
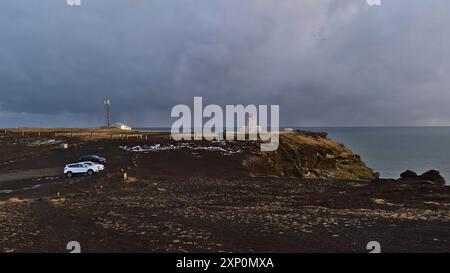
pixel 392 150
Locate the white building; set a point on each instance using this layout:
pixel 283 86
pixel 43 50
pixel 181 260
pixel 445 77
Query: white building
pixel 122 126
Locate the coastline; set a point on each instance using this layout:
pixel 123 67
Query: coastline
pixel 199 199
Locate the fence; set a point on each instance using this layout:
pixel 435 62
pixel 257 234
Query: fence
pixel 73 134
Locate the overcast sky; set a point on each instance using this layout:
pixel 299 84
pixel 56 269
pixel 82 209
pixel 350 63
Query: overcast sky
pixel 325 62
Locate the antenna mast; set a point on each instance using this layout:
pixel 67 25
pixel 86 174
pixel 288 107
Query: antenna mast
pixel 107 104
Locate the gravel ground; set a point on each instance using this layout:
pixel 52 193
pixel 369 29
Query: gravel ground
pixel 205 201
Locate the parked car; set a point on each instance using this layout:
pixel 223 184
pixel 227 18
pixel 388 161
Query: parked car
pixel 92 158
pixel 99 167
pixel 79 168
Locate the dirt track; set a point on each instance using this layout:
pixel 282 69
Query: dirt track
pixel 29 174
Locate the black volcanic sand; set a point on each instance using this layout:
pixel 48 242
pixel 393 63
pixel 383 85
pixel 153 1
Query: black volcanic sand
pixel 205 201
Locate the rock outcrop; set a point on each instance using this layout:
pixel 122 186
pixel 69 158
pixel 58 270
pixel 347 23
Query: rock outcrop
pixel 311 155
pixel 408 174
pixel 409 177
pixel 433 176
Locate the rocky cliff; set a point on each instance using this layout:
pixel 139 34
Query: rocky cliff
pixel 310 155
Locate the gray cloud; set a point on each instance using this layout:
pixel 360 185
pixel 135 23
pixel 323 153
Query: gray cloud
pixel 325 62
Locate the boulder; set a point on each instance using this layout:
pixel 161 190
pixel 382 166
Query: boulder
pixel 408 174
pixel 433 176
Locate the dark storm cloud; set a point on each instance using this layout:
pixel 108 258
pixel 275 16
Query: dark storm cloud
pixel 325 62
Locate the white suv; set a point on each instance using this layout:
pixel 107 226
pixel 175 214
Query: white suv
pixel 79 168
pixel 100 167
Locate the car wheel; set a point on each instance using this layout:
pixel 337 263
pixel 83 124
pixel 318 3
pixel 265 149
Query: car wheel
pixel 69 174
pixel 90 172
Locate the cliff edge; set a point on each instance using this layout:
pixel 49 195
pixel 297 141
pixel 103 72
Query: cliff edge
pixel 310 155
